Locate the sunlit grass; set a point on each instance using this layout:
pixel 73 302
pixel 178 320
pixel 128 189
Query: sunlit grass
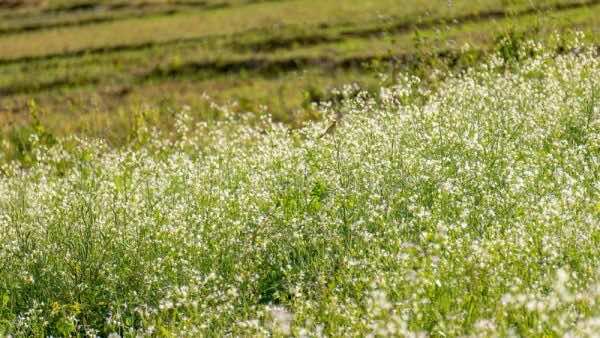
pixel 468 208
pixel 268 16
pixel 72 89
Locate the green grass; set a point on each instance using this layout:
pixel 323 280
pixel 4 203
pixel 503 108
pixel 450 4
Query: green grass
pixel 165 171
pixel 271 54
pixel 468 206
pixel 265 17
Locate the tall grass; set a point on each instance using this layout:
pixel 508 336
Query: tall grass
pixel 472 209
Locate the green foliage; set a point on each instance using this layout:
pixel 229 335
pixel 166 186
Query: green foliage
pixel 23 140
pixel 467 208
pixel 509 46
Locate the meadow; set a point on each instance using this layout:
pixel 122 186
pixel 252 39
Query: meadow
pixel 470 209
pixel 92 65
pixel 457 196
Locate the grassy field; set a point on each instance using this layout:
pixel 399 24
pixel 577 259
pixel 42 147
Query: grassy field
pixel 299 168
pixel 91 66
pixel 464 208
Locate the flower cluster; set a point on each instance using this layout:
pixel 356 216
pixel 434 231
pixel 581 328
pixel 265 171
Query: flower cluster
pixel 468 209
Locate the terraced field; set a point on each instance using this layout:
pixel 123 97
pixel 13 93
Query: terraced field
pixel 91 65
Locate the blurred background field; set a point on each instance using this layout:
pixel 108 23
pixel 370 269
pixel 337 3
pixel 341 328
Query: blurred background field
pixel 96 67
